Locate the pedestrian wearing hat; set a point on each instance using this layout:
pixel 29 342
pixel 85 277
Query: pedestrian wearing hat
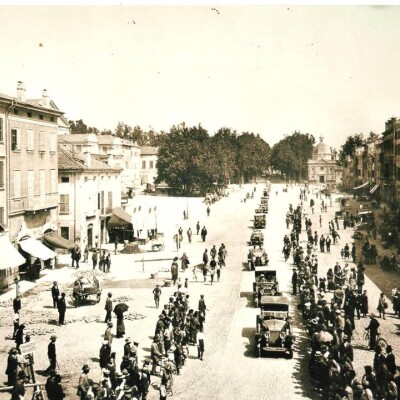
pixel 108 307
pixel 127 347
pixel 84 384
pixel 16 324
pixel 108 333
pixel 200 344
pixel 390 360
pixel 157 294
pixel 364 303
pixel 174 270
pixel 382 305
pixel 62 307
pixel 373 331
pixel 202 305
pixel 156 354
pixel 112 367
pixel 104 354
pixel 55 293
pixel 204 234
pixel 12 366
pixel 18 391
pixel 17 304
pixel 19 336
pixel 51 385
pixel 52 354
pixel 145 381
pixel 104 391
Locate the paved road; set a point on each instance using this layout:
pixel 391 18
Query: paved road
pixel 230 370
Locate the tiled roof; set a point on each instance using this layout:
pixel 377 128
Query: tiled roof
pixel 149 150
pixel 69 161
pixel 75 137
pixel 32 102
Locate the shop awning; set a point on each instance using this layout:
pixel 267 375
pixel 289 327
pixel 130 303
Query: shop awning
pixel 36 249
pixel 120 218
pixel 53 239
pixel 11 258
pixel 374 188
pixel 361 186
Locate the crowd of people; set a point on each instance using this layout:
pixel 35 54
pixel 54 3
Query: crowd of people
pixel 331 323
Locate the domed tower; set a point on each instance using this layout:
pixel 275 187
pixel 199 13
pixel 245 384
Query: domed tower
pixel 322 151
pixel 322 168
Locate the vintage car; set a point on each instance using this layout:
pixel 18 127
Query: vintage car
pixel 260 221
pixel 86 288
pixel 262 208
pixel 265 283
pixel 274 332
pixel 257 257
pixel 256 238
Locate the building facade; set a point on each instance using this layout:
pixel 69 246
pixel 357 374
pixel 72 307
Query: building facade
pixel 112 150
pixel 149 157
pixel 89 189
pixel 323 168
pixel 30 164
pixel 389 159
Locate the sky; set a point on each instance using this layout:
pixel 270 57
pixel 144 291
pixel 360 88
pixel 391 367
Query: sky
pixel 324 70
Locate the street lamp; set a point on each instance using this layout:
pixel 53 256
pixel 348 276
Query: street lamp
pixel 16 281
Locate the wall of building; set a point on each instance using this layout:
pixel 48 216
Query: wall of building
pixel 84 209
pixel 33 168
pixel 148 168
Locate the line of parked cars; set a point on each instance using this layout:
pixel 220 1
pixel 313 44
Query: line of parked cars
pixel 274 333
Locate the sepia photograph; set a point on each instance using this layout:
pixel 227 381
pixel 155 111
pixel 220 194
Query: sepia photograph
pixel 199 201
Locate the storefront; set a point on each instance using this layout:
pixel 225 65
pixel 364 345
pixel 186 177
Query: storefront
pixel 120 227
pixel 10 262
pixel 37 256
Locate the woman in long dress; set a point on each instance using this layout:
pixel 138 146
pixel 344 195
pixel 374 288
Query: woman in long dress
pixel 120 324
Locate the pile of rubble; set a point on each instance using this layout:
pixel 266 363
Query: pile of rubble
pixel 122 299
pixel 131 248
pixel 132 316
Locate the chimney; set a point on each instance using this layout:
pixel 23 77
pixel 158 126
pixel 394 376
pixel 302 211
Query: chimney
pixel 88 159
pixel 45 99
pixel 21 91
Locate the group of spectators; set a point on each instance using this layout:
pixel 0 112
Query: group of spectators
pixel 331 324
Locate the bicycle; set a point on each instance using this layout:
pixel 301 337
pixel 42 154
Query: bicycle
pixel 380 341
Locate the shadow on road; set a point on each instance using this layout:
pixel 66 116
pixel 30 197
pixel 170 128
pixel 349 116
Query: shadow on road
pixel 249 333
pixel 249 297
pixel 301 376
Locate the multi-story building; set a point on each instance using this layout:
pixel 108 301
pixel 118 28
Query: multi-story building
pixel 31 128
pixel 28 163
pixel 89 189
pixel 389 160
pixel 114 151
pixel 323 168
pixel 149 157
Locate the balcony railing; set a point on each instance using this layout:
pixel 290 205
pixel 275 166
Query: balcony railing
pixel 34 203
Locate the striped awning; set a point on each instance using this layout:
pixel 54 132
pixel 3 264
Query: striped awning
pixel 361 186
pixel 11 258
pixel 373 189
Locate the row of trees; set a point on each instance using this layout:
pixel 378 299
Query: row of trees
pixel 190 159
pixel 122 130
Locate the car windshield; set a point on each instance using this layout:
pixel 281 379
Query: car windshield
pixel 274 307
